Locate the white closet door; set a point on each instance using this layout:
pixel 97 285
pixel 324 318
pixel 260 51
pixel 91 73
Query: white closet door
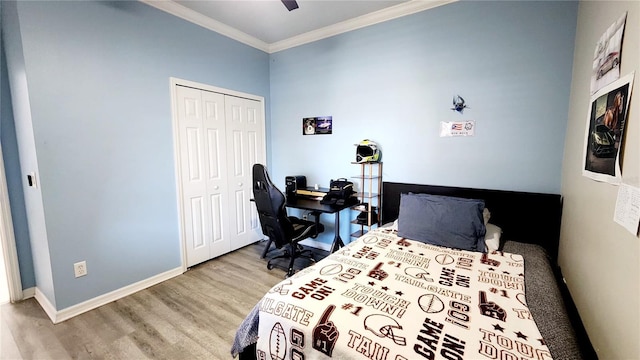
pixel 245 144
pixel 201 126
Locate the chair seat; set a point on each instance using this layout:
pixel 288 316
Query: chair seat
pixel 304 228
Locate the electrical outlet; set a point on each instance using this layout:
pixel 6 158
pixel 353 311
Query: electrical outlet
pixel 80 268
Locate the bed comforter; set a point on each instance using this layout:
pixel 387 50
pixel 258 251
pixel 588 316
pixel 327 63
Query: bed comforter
pixel 386 297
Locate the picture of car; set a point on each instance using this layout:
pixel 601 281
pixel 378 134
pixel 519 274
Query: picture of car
pixel 610 61
pixel 324 125
pixel 602 142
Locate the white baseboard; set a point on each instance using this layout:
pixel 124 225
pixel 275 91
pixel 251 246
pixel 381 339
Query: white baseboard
pixel 28 293
pixel 57 316
pixel 46 305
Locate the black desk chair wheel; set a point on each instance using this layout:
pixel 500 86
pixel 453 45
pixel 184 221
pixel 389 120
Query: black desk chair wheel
pixel 282 230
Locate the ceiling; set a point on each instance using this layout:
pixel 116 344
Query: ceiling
pixel 270 21
pixel 269 26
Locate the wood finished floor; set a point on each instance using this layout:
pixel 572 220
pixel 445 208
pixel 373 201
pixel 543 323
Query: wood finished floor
pixel 192 316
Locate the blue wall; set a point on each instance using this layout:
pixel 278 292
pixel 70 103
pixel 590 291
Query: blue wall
pixel 98 76
pixel 394 83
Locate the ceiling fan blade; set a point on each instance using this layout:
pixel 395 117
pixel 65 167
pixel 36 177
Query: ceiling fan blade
pixel 290 4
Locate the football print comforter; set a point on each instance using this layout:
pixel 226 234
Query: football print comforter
pixel 388 298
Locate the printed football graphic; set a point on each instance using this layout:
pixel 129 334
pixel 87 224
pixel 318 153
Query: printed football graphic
pixel 444 259
pixel 370 239
pixel 277 343
pixel 332 269
pixel 430 303
pixel 418 273
pixel 516 258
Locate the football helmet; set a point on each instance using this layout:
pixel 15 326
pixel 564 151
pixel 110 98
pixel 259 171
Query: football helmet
pixel 382 326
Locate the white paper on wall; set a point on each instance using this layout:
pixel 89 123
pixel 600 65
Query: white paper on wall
pixel 627 211
pixel 457 128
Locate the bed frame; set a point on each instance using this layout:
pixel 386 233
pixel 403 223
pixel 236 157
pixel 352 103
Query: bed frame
pixel 523 216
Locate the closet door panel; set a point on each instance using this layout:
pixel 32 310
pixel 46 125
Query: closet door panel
pixel 242 122
pixel 193 183
pixel 256 153
pixel 214 123
pixel 203 182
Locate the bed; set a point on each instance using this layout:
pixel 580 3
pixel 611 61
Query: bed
pixel 391 294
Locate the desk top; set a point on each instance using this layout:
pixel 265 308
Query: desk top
pixel 315 205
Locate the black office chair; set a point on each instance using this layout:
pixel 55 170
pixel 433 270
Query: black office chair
pixel 282 230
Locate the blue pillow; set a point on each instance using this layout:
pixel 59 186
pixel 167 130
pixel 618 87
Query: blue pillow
pixel 442 220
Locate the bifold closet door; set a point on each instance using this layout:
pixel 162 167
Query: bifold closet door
pixel 203 163
pixel 245 144
pixel 220 138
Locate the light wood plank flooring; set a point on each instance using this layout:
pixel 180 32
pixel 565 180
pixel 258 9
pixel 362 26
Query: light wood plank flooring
pixel 192 316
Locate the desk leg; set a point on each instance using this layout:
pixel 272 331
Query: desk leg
pixel 337 241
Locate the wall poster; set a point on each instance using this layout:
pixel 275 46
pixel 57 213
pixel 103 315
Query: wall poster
pixel 317 125
pixel 605 129
pixel 606 58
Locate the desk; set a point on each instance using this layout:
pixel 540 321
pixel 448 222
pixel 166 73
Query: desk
pixel 315 205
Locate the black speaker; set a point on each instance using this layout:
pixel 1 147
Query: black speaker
pixel 295 182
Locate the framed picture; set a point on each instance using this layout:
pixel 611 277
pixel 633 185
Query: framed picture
pixel 320 125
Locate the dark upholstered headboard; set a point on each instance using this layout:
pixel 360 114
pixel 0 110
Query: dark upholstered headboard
pixel 523 216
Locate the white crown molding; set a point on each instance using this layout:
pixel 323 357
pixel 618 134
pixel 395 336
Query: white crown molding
pixel 394 12
pixel 206 22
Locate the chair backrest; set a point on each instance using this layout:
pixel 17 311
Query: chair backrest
pixel 270 203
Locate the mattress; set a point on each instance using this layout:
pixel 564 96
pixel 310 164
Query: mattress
pixel 386 297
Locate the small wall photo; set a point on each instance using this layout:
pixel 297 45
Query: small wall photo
pixel 319 125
